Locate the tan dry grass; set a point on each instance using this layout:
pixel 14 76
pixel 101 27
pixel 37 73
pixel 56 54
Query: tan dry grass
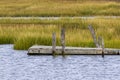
pixel 59 8
pixel 77 34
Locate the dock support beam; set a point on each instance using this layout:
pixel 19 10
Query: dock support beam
pixel 54 43
pixel 63 40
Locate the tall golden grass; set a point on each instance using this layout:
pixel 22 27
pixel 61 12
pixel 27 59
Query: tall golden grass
pixel 26 33
pixel 59 8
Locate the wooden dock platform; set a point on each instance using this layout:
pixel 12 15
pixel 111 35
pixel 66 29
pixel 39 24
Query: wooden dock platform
pixel 63 50
pixel 47 50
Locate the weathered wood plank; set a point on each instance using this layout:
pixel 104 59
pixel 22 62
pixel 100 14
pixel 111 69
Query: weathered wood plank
pixel 47 50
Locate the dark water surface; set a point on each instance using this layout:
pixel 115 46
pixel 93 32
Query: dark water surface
pixel 17 65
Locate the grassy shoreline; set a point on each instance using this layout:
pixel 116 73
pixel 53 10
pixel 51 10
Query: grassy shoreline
pixel 54 8
pixel 25 33
pixel 57 21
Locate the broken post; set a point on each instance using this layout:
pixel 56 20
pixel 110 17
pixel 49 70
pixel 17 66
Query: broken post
pixel 93 35
pixel 63 40
pixel 103 49
pixel 118 52
pixel 54 43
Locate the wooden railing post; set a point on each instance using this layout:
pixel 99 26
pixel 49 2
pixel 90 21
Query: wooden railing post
pixel 63 40
pixel 93 35
pixel 54 43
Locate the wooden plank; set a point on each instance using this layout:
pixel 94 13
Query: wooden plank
pixel 111 51
pixel 68 50
pixel 93 35
pixel 47 50
pixel 54 43
pixel 63 40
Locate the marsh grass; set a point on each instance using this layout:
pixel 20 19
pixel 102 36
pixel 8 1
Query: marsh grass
pixel 59 8
pixel 23 34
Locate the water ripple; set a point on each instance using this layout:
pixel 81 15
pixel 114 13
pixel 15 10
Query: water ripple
pixel 17 65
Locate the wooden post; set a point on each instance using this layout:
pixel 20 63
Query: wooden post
pixel 63 40
pixel 103 49
pixel 54 43
pixel 118 52
pixel 93 35
pixel 100 41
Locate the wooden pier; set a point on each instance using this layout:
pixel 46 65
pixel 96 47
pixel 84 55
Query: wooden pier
pixel 47 50
pixel 63 50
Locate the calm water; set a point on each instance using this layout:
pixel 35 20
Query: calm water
pixel 17 65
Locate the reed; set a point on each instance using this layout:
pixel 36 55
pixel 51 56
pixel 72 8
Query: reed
pixel 59 8
pixel 25 34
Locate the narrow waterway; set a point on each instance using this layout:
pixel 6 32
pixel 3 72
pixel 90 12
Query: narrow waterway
pixel 17 65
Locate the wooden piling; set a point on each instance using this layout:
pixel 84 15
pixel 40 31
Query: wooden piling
pixel 101 45
pixel 63 40
pixel 103 49
pixel 93 36
pixel 54 43
pixel 118 52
